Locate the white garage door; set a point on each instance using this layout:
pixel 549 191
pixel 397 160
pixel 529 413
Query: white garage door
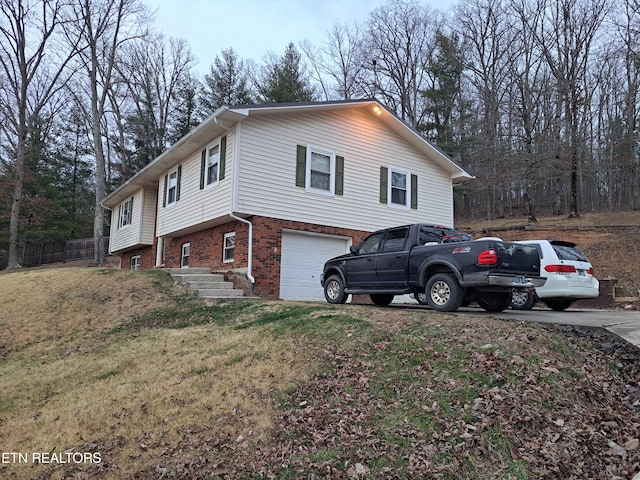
pixel 303 257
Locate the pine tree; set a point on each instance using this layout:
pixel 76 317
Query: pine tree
pixel 284 80
pixel 225 84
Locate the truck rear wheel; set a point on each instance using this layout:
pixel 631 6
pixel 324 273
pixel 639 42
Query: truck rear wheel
pixel 334 290
pixel 444 293
pixel 495 301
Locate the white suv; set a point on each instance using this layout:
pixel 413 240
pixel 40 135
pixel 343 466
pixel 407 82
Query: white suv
pixel 569 277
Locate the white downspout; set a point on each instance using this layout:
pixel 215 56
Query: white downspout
pixel 234 200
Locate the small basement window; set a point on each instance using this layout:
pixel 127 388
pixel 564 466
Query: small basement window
pixel 229 247
pixel 186 248
pixel 135 262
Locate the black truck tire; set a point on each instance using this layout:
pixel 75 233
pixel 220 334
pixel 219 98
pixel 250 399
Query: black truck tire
pixel 334 290
pixel 444 293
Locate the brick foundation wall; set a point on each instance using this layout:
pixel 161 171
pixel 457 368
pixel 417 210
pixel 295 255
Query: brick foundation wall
pixel 267 249
pixel 147 258
pixel 206 249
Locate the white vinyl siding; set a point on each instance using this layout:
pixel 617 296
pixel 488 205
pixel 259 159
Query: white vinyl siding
pixel 267 182
pixel 139 231
pixel 196 206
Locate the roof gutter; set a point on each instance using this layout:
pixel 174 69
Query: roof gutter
pixel 233 203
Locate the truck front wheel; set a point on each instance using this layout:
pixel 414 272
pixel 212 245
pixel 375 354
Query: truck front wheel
pixel 334 290
pixel 444 293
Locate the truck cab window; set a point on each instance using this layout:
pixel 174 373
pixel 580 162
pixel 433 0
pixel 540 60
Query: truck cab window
pixel 370 244
pixel 395 240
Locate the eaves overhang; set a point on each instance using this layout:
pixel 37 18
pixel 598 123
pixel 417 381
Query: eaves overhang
pixel 216 124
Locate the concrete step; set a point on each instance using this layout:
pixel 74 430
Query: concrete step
pixel 203 285
pixel 210 286
pixel 188 271
pixel 220 293
pixel 198 277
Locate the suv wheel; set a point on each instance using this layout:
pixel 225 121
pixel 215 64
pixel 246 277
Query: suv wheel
pixel 421 297
pixel 558 305
pixel 523 300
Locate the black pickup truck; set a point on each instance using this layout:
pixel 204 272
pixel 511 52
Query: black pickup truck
pixel 440 266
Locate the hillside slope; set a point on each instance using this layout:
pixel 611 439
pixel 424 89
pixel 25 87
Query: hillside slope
pixel 112 374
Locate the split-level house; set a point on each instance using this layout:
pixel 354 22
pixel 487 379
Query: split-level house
pixel 272 191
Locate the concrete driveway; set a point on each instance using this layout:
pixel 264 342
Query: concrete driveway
pixel 625 324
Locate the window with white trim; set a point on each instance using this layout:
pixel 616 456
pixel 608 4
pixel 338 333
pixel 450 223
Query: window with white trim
pixel 135 262
pixel 172 188
pixel 229 249
pixel 213 165
pixel 398 188
pixel 186 250
pixel 321 170
pixel 126 212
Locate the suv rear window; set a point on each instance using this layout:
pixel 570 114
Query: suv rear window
pixel 568 251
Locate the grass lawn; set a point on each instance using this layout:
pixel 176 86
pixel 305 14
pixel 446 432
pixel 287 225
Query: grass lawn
pixel 116 374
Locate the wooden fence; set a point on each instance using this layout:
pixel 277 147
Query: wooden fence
pixel 35 254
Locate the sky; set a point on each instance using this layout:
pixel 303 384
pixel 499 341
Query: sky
pixel 255 27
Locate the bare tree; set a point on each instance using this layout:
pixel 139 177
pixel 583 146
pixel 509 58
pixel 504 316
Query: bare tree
pixel 33 70
pixel 340 64
pixel 566 37
pixel 486 27
pixel 400 39
pixel 152 70
pixel 103 27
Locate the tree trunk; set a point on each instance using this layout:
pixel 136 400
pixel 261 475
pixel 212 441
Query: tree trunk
pixel 16 203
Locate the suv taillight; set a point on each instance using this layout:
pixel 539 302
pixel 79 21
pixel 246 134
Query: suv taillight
pixel 488 257
pixel 560 268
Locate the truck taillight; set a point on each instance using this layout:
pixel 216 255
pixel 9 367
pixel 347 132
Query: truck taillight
pixel 488 257
pixel 560 268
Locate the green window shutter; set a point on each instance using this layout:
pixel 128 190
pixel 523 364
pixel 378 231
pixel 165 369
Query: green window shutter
pixel 178 178
pixel 384 184
pixel 119 217
pixel 223 156
pixel 164 195
pixel 414 191
pixel 203 167
pixel 339 188
pixel 301 166
pixel 130 213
